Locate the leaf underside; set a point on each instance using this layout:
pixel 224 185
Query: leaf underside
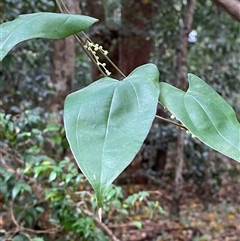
pixel 206 114
pixel 107 122
pixel 40 25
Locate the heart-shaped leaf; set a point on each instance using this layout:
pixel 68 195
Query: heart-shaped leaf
pixel 40 25
pixel 206 114
pixel 107 122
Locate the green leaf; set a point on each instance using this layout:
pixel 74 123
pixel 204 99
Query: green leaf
pixel 116 203
pixel 26 187
pixel 19 238
pixel 51 127
pixel 38 239
pixel 16 189
pixel 138 224
pixel 206 114
pixel 107 122
pixel 52 176
pixel 40 25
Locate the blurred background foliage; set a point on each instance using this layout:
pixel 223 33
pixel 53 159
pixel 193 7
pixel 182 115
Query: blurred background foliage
pixel 42 193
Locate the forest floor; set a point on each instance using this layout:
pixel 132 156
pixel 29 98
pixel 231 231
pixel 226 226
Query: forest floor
pixel 213 221
pixel 203 217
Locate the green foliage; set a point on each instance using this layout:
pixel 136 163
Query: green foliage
pixel 100 147
pixel 207 116
pixel 214 56
pixel 46 25
pixel 105 131
pixel 107 122
pixel 36 180
pixel 26 70
pixel 131 205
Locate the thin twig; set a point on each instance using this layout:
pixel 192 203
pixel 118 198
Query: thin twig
pixel 51 230
pixel 13 218
pixel 3 151
pixel 61 5
pixel 82 208
pixel 172 122
pixel 64 6
pixel 101 225
pixel 31 181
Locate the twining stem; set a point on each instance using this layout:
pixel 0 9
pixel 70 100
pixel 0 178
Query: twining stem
pixel 62 7
pixel 172 122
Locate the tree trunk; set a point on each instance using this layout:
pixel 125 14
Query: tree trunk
pixel 180 66
pixel 136 40
pixel 1 12
pixel 129 42
pixel 63 64
pixel 232 7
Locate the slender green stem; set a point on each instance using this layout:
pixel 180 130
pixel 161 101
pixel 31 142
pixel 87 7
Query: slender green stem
pixel 62 7
pixel 172 122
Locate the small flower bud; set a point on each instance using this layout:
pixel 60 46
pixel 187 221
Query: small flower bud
pixel 165 109
pixel 105 52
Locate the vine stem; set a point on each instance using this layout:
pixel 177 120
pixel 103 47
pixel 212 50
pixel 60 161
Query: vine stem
pixel 172 122
pixel 62 7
